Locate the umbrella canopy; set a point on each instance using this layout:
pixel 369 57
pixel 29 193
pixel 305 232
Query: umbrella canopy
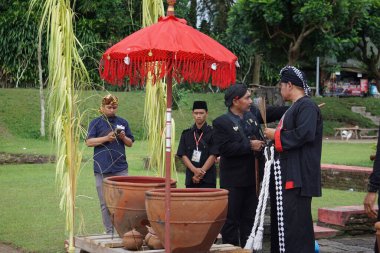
pixel 169 47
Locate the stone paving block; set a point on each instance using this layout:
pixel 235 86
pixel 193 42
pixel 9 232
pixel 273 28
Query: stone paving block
pixel 324 232
pixel 351 244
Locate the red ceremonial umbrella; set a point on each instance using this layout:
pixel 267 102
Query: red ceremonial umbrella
pixel 170 49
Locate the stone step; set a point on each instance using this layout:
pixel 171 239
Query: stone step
pixel 325 232
pixel 362 110
pixel 348 219
pixel 358 109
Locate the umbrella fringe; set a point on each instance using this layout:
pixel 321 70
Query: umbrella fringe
pixel 114 71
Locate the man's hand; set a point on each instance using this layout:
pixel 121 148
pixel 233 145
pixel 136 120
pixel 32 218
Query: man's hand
pixel 121 135
pixel 126 140
pixel 196 180
pixel 257 145
pixel 369 202
pixel 111 136
pixel 199 173
pixel 269 133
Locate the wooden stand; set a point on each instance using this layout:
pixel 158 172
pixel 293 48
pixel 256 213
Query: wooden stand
pixel 113 244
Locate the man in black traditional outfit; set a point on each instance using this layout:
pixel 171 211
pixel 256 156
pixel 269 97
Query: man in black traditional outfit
pixel 237 136
pixel 373 188
pixel 298 139
pixel 197 150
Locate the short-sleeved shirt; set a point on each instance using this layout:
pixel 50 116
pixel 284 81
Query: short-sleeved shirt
pixel 109 157
pixel 187 145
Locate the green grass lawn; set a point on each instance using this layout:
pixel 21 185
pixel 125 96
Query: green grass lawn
pixel 20 110
pixel 348 153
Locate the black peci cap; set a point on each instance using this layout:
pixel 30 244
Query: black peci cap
pixel 200 105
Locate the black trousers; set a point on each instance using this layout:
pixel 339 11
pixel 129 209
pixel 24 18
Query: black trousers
pixel 298 222
pixel 378 219
pixel 242 203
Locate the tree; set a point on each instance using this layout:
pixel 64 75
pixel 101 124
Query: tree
pixel 18 47
pixel 214 13
pixel 294 30
pixel 192 17
pixel 102 23
pixel 369 43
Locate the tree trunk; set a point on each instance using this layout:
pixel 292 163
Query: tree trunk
pixel 193 13
pixel 293 54
pixel 42 97
pixel 256 69
pixel 295 46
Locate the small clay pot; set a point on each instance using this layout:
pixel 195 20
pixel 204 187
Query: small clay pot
pixel 153 241
pixel 132 240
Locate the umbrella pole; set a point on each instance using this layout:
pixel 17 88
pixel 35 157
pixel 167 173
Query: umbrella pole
pixel 168 160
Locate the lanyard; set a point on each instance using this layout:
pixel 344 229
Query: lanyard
pixel 199 139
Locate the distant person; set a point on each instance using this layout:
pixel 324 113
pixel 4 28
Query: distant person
pixel 239 141
pixel 109 134
pixel 298 140
pixel 197 150
pixel 373 188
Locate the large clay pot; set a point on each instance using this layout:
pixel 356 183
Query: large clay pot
pixel 125 199
pixel 196 217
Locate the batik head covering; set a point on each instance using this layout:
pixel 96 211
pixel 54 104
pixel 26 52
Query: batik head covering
pixel 110 100
pixel 296 77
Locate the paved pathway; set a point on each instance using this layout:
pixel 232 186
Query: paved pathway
pixel 345 244
pixel 348 244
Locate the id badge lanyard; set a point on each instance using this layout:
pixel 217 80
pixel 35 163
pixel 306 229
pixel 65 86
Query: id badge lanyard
pixel 197 140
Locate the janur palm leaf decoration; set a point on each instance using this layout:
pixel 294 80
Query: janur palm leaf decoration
pixel 67 75
pixel 155 101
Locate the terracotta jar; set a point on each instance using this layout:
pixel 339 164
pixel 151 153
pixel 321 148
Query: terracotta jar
pixel 196 217
pixel 132 240
pixel 125 199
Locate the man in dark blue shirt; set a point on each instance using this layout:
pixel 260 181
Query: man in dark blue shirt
pixel 109 134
